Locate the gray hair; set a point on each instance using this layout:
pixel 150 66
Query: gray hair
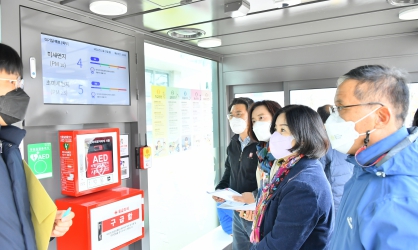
pixel 376 82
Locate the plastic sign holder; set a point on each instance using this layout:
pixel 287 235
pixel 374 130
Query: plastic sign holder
pixel 110 219
pixel 89 160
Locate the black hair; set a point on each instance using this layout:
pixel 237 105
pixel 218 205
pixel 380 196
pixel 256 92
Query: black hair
pixel 272 108
pixel 241 100
pixel 10 61
pixel 324 112
pixel 376 82
pixel 307 129
pixel 415 122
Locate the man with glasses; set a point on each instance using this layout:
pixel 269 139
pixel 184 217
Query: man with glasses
pixel 16 228
pixel 379 206
pixel 240 168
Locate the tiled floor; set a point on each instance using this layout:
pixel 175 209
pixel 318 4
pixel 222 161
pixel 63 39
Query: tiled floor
pixel 217 239
pixel 229 247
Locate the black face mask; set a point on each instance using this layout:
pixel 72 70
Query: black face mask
pixel 13 106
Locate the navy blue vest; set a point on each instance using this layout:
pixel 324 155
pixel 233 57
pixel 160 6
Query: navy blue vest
pixel 16 228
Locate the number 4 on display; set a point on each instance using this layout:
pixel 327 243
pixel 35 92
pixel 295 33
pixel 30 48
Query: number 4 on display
pixel 80 63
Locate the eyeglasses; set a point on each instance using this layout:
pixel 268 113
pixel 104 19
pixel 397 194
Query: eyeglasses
pixel 335 109
pixel 230 116
pixel 18 82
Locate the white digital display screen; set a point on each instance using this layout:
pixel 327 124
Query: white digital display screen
pixel 80 73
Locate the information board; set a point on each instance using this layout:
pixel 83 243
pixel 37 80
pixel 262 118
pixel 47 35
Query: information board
pixel 80 73
pixel 178 120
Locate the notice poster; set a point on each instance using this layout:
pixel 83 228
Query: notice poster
pixel 197 117
pixel 159 120
pixel 124 145
pixel 179 119
pixel 116 223
pixel 207 127
pixel 186 119
pixel 124 156
pixel 124 167
pixel 174 120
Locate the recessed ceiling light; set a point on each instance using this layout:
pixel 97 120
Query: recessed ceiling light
pixel 237 9
pixel 209 42
pixel 109 7
pixel 186 33
pixel 285 3
pixel 409 13
pixel 402 2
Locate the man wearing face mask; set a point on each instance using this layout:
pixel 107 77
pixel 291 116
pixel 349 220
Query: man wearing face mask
pixel 16 228
pixel 336 168
pixel 240 168
pixel 379 206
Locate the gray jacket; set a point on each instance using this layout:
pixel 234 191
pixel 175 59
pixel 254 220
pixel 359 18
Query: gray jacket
pixel 338 172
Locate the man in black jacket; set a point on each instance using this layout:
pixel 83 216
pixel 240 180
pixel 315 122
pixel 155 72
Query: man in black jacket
pixel 240 168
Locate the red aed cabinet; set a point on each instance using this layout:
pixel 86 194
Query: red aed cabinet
pixel 89 160
pixel 110 219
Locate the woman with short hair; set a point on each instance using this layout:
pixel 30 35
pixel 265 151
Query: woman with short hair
pixel 295 210
pixel 259 123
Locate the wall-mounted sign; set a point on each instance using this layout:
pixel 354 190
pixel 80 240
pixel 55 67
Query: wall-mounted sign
pixel 40 159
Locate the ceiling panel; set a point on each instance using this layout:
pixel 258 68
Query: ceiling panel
pixel 338 36
pixel 288 30
pixel 134 6
pixel 176 16
pixel 171 3
pixel 303 14
pixel 265 27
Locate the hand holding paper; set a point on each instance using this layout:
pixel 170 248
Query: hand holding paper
pixel 62 223
pixel 247 215
pixel 217 199
pixel 246 197
pixel 225 194
pixel 232 205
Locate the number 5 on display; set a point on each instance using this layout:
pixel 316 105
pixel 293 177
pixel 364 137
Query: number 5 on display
pixel 80 63
pixel 80 89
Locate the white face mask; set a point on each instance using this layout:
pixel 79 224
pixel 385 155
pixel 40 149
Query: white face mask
pixel 262 130
pixel 237 125
pixel 342 134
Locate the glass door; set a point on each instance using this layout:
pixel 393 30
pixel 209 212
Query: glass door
pixel 181 90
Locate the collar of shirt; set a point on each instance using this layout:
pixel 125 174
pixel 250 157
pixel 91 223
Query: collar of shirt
pixel 373 152
pixel 244 142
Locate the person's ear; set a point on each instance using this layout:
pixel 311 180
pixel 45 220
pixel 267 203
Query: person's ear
pixel 383 117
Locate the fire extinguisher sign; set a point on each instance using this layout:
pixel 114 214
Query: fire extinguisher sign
pixel 116 223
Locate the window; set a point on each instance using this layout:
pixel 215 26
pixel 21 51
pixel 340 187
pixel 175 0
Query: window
pixel 277 96
pixel 180 117
pixel 413 103
pixel 313 98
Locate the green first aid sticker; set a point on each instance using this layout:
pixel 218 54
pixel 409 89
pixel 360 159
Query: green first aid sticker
pixel 40 159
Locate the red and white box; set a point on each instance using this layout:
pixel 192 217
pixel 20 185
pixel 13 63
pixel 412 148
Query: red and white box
pixel 110 219
pixel 89 160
